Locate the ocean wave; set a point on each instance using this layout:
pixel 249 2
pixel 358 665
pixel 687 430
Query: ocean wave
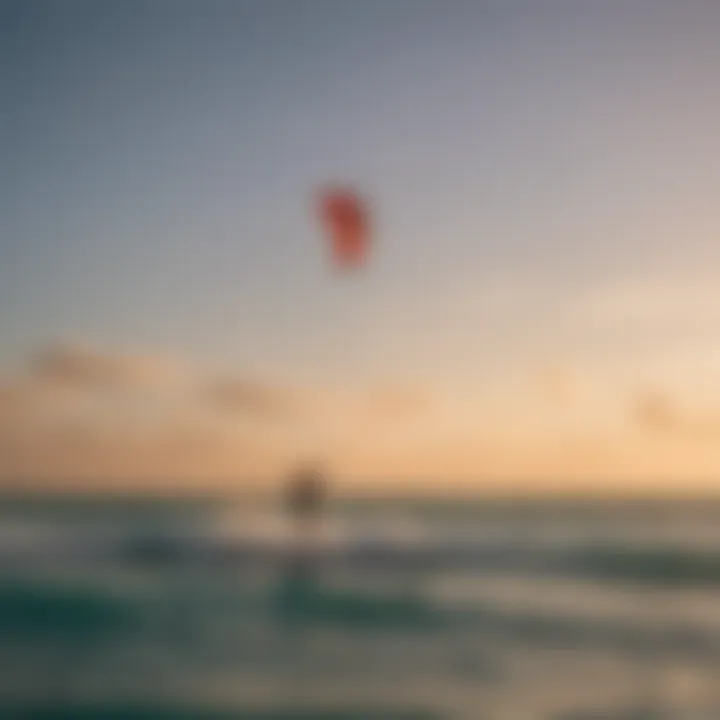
pixel 373 548
pixel 47 612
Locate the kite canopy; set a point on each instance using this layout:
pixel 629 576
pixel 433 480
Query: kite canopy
pixel 344 216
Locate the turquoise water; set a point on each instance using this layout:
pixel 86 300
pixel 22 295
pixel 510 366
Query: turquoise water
pixel 159 609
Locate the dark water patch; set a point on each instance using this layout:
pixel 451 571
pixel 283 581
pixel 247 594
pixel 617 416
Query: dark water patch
pixel 155 551
pixel 661 568
pixel 45 612
pixel 132 711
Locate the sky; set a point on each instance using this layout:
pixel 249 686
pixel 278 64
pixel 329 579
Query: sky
pixel 541 308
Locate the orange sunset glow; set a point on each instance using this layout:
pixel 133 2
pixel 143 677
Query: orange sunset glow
pixel 535 304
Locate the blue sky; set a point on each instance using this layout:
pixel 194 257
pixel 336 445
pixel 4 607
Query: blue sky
pixel 523 158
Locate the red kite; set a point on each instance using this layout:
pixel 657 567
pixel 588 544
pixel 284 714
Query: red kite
pixel 345 218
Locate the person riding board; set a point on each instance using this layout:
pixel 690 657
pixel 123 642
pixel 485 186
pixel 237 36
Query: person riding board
pixel 304 500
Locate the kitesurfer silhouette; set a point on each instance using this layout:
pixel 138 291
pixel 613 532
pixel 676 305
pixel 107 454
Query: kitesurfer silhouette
pixel 304 500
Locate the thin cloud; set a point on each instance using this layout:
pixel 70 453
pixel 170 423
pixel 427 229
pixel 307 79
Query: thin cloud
pixel 78 366
pixel 95 416
pixel 252 398
pixel 656 412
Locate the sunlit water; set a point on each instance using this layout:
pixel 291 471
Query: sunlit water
pixel 130 609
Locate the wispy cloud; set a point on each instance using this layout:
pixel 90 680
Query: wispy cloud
pixel 72 413
pixel 81 366
pixel 659 413
pixel 656 412
pixel 101 417
pixel 248 397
